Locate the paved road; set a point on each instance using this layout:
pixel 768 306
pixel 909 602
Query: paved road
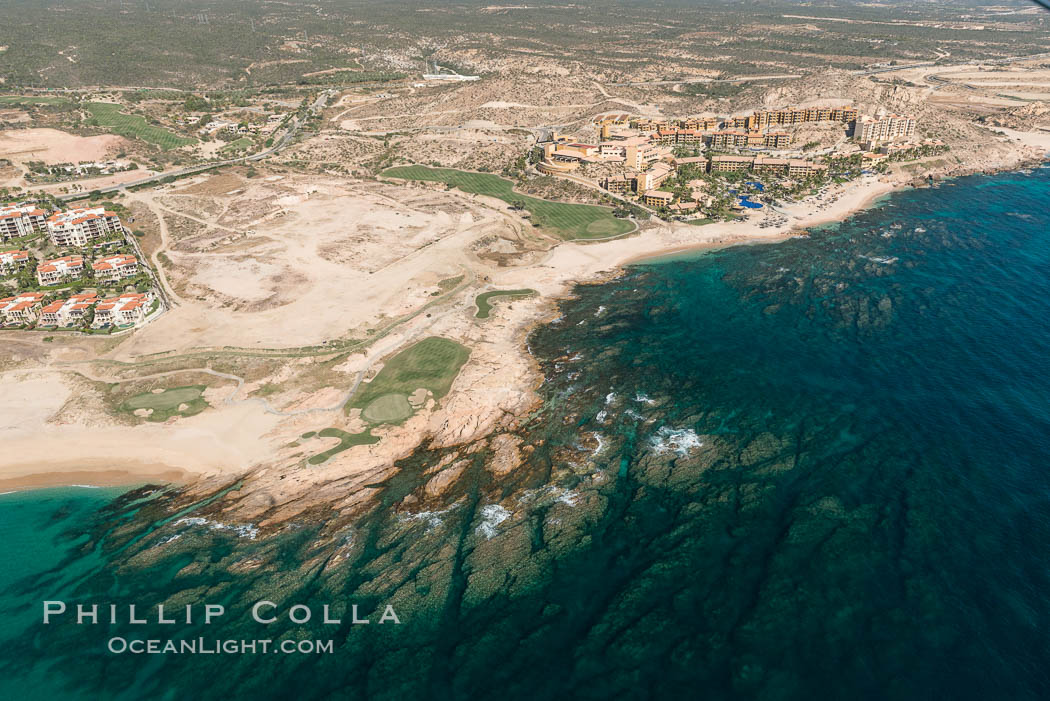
pixel 924 64
pixel 707 80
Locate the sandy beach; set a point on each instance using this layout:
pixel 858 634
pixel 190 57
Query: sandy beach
pixel 241 436
pixel 89 473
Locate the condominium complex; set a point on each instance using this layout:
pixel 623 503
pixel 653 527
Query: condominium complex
pixel 22 308
pixel 67 312
pixel 80 227
pixel 123 310
pixel 886 128
pixel 17 220
pixel 53 271
pixel 13 261
pixel 116 267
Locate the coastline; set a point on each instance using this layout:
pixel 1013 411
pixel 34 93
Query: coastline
pixel 79 475
pixel 492 392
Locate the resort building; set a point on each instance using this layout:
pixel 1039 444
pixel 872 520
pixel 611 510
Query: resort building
pixel 634 151
pixel 777 139
pixel 771 165
pixel 558 167
pixel 796 168
pixel 53 271
pixel 657 198
pixel 649 124
pixel 13 261
pixel 698 161
pixel 684 207
pixel 679 136
pixel 116 267
pixel 731 137
pixel 80 227
pixel 800 115
pixel 67 312
pixel 731 164
pixel 703 123
pixel 754 139
pixel 22 308
pixel 886 128
pixel 639 155
pixel 653 178
pixel 579 150
pixel 124 310
pixel 620 183
pixel 18 220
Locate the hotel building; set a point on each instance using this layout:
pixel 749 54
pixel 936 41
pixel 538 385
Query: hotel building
pixel 885 128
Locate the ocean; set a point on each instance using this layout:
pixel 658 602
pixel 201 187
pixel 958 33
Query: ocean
pixel 815 469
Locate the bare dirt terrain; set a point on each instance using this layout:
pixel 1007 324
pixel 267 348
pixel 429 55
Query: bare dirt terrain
pixel 54 146
pixel 297 261
pixel 295 281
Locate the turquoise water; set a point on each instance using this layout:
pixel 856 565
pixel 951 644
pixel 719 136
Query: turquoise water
pixel 811 470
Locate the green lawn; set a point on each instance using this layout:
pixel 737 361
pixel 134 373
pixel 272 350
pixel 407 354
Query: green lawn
pixel 485 306
pixel 32 100
pixel 431 364
pixel 242 143
pixel 166 404
pixel 346 440
pixel 390 408
pixel 568 221
pixel 133 126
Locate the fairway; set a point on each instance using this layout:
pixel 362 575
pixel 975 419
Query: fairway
pixel 568 221
pixel 431 364
pixel 485 305
pixel 133 126
pixel 31 100
pixel 346 440
pixel 166 404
